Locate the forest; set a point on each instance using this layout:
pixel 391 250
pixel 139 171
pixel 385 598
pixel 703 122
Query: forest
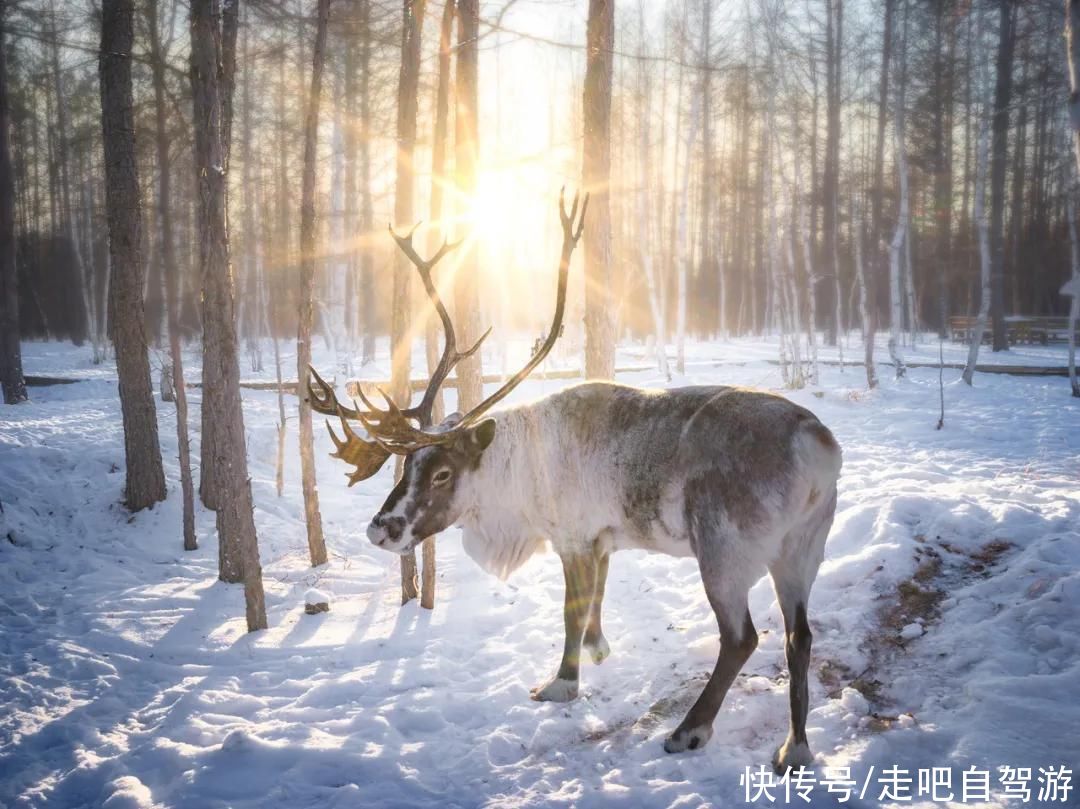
pixel 225 222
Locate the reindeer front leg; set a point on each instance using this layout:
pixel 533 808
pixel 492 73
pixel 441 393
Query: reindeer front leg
pixel 579 572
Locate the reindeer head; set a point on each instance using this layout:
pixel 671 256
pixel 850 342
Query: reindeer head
pixel 433 492
pixel 434 488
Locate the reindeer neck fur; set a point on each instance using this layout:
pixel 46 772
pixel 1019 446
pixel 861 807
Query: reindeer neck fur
pixel 540 481
pixel 512 506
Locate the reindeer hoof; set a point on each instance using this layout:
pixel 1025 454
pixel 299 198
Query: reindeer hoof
pixel 688 739
pixel 556 691
pixel 792 755
pixel 598 648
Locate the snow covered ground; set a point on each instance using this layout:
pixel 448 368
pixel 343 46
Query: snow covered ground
pixel 946 620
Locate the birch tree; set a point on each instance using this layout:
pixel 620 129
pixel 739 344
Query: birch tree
pixel 865 315
pixel 684 245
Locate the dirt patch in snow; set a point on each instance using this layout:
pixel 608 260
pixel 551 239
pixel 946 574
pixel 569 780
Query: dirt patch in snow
pixel 918 601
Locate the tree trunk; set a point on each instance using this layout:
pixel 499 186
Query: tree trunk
pixel 646 257
pixel 230 26
pixel 982 226
pixel 312 515
pixel 1073 287
pixel 830 180
pixel 864 304
pixel 11 373
pixel 944 59
pixel 337 266
pixel 438 232
pixel 877 255
pixel 145 476
pixel 983 231
pixel 211 488
pixel 999 152
pixel 250 316
pixel 1072 40
pixel 706 258
pixel 466 136
pixel 66 217
pixel 170 270
pixel 400 335
pixel 596 175
pixel 367 215
pixel 684 246
pixel 903 213
pixel 238 553
pixel 351 308
pixel 438 180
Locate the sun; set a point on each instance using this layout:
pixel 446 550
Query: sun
pixel 490 210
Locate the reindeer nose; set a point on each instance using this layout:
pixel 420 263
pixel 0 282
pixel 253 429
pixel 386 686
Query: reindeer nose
pixel 384 529
pixel 375 534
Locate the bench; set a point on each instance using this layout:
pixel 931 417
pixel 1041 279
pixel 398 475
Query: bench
pixel 1030 330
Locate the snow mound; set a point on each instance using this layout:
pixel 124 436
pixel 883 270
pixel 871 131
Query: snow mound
pixel 316 601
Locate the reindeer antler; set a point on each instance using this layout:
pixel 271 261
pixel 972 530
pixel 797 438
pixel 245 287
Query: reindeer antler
pixel 391 428
pixel 367 456
pixel 450 356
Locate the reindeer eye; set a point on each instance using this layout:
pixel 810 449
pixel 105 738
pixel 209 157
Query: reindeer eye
pixel 441 477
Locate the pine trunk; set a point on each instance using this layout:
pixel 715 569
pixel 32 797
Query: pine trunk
pixel 238 549
pixel 145 477
pixel 400 334
pixel 171 271
pixel 312 515
pixel 982 225
pixel 596 175
pixel 367 214
pixel 999 158
pixel 469 371
pixel 903 214
pixel 1072 40
pixel 11 373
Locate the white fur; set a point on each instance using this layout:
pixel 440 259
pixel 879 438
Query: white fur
pixel 536 484
pixel 533 486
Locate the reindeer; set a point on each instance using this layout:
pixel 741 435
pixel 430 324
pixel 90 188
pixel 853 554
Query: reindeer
pixel 744 481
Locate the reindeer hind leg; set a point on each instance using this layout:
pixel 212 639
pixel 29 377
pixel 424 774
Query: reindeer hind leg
pixel 793 575
pixel 727 585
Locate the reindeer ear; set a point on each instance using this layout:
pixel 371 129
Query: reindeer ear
pixel 477 439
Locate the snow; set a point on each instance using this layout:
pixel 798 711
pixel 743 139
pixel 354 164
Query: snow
pixel 127 679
